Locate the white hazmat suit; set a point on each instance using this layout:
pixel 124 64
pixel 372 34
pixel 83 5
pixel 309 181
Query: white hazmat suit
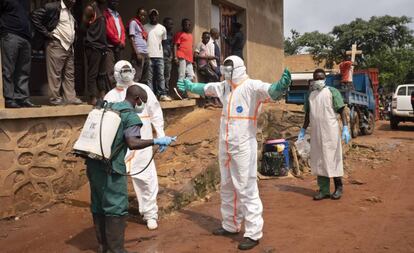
pixel 146 183
pixel 242 98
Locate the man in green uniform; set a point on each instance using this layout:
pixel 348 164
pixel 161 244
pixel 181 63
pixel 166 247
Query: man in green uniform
pixel 321 107
pixel 109 195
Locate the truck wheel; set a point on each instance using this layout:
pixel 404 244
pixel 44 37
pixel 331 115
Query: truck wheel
pixel 393 123
pixel 371 125
pixel 355 125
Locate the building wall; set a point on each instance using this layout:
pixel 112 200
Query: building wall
pixel 36 162
pixel 263 27
pixel 303 63
pixel 265 39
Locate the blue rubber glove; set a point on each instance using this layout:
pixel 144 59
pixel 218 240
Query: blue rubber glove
pixel 162 148
pixel 345 134
pixel 164 141
pixel 187 85
pixel 301 135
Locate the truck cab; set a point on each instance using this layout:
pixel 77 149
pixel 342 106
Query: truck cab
pixel 402 107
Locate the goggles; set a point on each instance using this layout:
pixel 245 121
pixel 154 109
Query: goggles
pixel 125 70
pixel 226 69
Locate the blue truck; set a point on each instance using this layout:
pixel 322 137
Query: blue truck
pixel 361 99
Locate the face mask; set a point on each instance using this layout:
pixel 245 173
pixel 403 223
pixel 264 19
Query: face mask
pixel 318 84
pixel 124 78
pixel 140 108
pixel 127 76
pixel 227 76
pixel 227 71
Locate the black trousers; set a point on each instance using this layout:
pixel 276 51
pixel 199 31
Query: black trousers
pixel 114 55
pixel 97 78
pixel 141 68
pixel 16 61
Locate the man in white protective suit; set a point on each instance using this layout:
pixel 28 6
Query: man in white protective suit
pixel 242 98
pixel 146 183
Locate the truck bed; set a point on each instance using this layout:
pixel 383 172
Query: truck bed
pixel 361 94
pixel 350 97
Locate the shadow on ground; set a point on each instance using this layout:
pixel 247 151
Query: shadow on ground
pixel 296 189
pixel 403 128
pixel 85 240
pixel 204 221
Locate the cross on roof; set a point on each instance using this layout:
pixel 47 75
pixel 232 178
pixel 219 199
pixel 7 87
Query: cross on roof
pixel 353 52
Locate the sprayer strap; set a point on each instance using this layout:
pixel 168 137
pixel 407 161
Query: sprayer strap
pixel 116 151
pixel 121 144
pixel 126 110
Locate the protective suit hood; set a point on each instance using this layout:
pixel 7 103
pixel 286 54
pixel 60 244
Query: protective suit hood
pixel 124 74
pixel 239 70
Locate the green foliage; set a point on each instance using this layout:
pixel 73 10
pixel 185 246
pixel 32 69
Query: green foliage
pixel 291 46
pixel 318 44
pixel 397 64
pixel 387 44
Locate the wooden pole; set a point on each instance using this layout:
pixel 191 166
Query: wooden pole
pixel 2 105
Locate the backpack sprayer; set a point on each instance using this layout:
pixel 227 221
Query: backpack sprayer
pixel 94 145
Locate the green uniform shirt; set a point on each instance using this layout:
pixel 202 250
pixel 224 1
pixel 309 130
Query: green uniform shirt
pixel 109 192
pixel 129 118
pixel 337 100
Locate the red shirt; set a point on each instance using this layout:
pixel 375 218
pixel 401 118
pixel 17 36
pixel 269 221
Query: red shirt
pixel 112 32
pixel 185 45
pixel 346 71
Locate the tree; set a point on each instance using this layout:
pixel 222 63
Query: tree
pixel 387 44
pixel 317 44
pixel 396 65
pixel 291 46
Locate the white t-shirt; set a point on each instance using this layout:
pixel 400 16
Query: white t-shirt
pixel 202 50
pixel 212 51
pixel 156 34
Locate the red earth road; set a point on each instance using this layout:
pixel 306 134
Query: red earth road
pixel 376 214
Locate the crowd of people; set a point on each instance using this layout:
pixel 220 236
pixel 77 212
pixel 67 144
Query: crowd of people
pixel 53 29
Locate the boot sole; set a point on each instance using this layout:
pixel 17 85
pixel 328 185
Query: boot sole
pixel 226 233
pixel 247 248
pixel 326 197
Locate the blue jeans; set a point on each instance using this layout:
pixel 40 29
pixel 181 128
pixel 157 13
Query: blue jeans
pixel 156 79
pixel 167 72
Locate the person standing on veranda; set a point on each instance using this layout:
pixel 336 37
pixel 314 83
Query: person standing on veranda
pixel 56 25
pixel 156 35
pixel 115 35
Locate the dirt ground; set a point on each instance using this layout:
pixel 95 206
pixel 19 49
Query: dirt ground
pixel 376 213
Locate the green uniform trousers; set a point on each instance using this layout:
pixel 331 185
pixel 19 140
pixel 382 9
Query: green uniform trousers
pixel 109 192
